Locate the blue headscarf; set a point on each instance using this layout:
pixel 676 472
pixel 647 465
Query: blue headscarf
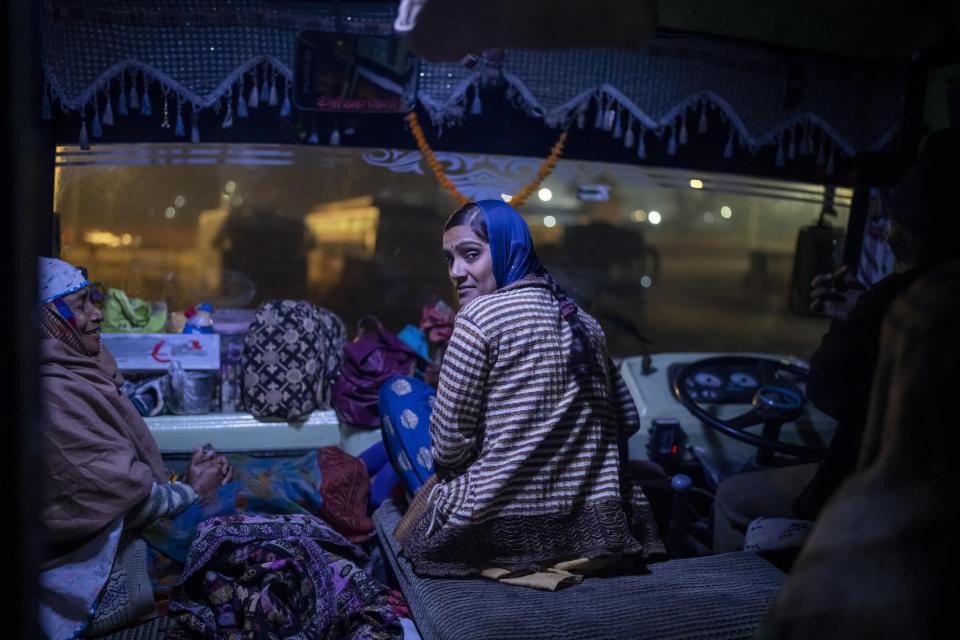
pixel 511 249
pixel 511 246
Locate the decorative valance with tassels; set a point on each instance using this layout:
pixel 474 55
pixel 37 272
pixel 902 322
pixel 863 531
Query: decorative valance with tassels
pixel 100 55
pixel 803 104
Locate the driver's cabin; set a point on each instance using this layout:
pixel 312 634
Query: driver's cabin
pixel 684 180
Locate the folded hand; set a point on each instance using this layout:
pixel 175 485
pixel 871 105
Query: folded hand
pixel 208 470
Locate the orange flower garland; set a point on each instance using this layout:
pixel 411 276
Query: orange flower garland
pixel 431 158
pixel 546 168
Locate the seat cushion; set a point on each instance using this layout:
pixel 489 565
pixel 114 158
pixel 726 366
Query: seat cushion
pixel 723 596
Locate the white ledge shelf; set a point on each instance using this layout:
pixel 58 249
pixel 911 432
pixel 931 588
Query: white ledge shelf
pixel 242 433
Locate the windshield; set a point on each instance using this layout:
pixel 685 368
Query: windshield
pixel 690 262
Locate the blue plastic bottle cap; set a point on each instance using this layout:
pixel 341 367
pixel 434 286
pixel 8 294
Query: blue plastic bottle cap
pixel 205 307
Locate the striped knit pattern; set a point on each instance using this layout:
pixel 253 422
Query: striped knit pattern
pixel 536 439
pixel 517 438
pixel 165 501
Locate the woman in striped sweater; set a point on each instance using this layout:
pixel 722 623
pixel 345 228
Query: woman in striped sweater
pixel 530 422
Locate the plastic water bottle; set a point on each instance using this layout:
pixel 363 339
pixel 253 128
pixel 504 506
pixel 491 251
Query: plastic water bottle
pixel 201 321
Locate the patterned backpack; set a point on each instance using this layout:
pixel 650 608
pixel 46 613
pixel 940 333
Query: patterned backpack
pixel 291 355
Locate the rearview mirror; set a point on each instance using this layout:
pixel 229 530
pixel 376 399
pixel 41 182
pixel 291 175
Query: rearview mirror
pixel 340 72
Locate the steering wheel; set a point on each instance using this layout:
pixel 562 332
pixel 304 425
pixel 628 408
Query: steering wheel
pixel 775 402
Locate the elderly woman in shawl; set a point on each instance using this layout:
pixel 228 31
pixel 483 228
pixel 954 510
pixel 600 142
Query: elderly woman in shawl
pixel 529 426
pixel 103 471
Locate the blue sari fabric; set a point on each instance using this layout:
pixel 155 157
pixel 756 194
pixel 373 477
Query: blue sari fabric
pixel 405 407
pixel 260 486
pixel 383 477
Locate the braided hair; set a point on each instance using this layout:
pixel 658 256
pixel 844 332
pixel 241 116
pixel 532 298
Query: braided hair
pixel 582 352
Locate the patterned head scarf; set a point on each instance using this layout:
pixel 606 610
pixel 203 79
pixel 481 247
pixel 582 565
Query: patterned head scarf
pixel 511 246
pixel 57 280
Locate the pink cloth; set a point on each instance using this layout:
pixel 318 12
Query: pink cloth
pixel 436 321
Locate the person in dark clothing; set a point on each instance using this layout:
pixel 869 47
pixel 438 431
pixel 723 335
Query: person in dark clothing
pixel 924 233
pixel 882 557
pixel 841 372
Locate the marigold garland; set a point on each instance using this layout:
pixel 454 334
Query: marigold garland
pixel 546 168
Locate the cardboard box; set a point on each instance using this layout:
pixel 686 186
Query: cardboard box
pixel 154 352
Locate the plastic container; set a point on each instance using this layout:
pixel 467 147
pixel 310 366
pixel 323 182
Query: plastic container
pixel 232 325
pixel 176 322
pixel 233 320
pixel 189 392
pixel 202 320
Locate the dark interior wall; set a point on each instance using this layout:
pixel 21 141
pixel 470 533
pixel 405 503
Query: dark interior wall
pixel 26 193
pixel 890 30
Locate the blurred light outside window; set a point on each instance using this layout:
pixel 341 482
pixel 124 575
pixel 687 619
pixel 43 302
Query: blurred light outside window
pixel 694 269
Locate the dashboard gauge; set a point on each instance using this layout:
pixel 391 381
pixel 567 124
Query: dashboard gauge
pixel 708 380
pixel 744 380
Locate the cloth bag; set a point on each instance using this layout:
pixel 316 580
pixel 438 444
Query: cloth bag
pixel 290 354
pixel 122 314
pixel 371 359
